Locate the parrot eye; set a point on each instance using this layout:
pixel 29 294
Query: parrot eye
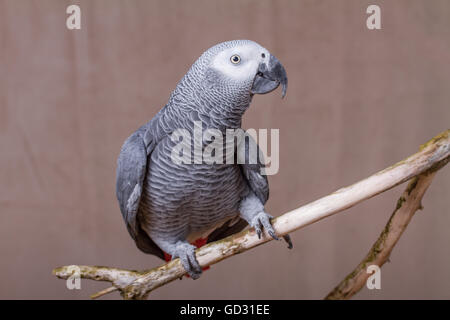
pixel 263 55
pixel 235 59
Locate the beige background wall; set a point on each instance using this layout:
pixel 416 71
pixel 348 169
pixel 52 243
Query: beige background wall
pixel 358 101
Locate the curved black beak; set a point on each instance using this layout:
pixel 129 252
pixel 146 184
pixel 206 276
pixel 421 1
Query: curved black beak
pixel 269 77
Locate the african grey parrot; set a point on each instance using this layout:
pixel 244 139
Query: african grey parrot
pixel 166 205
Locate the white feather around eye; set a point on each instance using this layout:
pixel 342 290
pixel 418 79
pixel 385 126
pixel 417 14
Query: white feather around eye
pixel 246 68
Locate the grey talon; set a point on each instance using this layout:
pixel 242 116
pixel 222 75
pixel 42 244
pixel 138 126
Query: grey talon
pixel 273 235
pixel 259 233
pixel 287 238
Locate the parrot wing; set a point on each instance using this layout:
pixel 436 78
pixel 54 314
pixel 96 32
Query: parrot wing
pixel 254 172
pixel 257 179
pixel 131 172
pixel 257 183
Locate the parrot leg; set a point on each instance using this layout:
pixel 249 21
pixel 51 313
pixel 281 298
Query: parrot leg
pixel 252 210
pixel 186 253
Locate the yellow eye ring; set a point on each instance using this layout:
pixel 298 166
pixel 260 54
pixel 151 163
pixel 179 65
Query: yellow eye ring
pixel 235 59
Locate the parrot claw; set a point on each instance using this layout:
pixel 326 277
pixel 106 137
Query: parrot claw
pixel 259 232
pixel 186 253
pixel 263 219
pixel 273 235
pixel 287 238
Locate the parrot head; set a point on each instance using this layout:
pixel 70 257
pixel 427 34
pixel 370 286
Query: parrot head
pixel 247 64
pixel 219 86
pixel 238 68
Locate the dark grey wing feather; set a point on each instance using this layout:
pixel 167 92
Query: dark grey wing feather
pixel 131 172
pixel 226 230
pixel 257 182
pixel 252 172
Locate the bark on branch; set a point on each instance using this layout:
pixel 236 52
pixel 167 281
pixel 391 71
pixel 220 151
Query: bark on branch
pixel 138 284
pixel 407 205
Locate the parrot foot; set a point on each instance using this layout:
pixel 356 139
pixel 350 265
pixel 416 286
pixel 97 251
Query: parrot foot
pixel 262 220
pixel 186 253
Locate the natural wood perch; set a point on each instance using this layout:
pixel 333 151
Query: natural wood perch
pixel 432 156
pixel 407 205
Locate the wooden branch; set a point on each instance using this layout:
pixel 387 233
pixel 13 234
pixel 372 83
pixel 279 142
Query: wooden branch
pixel 137 285
pixel 407 205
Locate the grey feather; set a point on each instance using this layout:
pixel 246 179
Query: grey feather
pixel 131 171
pixel 253 172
